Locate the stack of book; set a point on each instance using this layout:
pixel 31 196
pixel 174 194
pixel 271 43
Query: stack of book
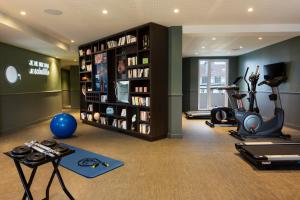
pixel 132 61
pixel 140 101
pixel 145 116
pixel 144 129
pixel 111 44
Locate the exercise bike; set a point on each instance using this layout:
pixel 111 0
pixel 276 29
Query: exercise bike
pixel 251 123
pixel 224 116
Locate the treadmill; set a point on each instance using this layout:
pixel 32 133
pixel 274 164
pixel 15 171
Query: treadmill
pixel 266 155
pixel 199 114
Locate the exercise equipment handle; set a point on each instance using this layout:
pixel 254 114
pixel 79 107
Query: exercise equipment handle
pixel 245 79
pixel 262 83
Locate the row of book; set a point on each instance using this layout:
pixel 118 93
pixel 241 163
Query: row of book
pixel 145 116
pixel 144 129
pixel 128 39
pixel 103 120
pixel 138 73
pixel 140 101
pixel 120 123
pixel 111 44
pixel 132 61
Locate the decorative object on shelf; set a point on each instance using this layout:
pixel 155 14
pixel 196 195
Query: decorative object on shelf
pixel 110 110
pixel 122 91
pixel 145 61
pixel 133 122
pixel 101 72
pixel 83 65
pixel 63 125
pixel 89 117
pixel 102 47
pixel 81 52
pixel 83 116
pixel 103 98
pixel 96 116
pixel 146 42
pixel 83 89
pixel 90 108
pixel 123 112
pixel 121 69
pixel 89 67
pixel 88 52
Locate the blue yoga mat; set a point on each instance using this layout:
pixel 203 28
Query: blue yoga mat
pixel 71 162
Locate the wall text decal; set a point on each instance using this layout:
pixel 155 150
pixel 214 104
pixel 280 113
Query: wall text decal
pixel 38 68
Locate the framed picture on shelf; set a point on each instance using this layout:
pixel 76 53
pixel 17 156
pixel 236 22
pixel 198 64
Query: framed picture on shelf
pixel 101 79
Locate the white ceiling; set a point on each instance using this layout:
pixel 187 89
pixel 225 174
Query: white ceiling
pixel 83 21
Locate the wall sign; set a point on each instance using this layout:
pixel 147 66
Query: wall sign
pixel 38 68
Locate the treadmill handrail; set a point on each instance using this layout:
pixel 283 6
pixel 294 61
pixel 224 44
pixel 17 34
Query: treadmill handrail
pixel 268 143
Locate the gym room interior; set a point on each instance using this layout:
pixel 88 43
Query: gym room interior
pixel 160 100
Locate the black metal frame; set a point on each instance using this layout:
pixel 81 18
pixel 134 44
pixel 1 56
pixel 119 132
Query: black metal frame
pixel 27 184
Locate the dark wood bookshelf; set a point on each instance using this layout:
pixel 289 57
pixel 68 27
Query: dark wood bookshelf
pixel 139 57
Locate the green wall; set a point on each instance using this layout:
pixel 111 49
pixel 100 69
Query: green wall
pixel 287 51
pixel 190 79
pixel 34 97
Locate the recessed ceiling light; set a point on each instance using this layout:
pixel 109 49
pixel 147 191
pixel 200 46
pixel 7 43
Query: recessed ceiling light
pixel 260 38
pixel 53 12
pixel 176 10
pixel 104 12
pixel 72 41
pixel 23 13
pixel 250 9
pixel 241 47
pixel 214 38
pixel 75 60
pixel 203 47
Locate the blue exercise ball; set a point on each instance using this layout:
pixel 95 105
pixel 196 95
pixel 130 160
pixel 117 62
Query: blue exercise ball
pixel 63 125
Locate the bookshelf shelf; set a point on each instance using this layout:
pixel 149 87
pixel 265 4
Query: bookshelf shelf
pixel 137 57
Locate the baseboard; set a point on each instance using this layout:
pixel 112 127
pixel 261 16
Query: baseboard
pixel 172 135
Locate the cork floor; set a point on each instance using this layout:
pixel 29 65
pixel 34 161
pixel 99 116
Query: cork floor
pixel 202 165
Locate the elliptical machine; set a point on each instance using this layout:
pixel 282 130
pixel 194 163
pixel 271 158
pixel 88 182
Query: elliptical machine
pixel 251 123
pixel 224 116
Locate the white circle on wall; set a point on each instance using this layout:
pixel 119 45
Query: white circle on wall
pixel 11 74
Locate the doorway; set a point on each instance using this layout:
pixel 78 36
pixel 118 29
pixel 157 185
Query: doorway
pixel 212 73
pixel 65 88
